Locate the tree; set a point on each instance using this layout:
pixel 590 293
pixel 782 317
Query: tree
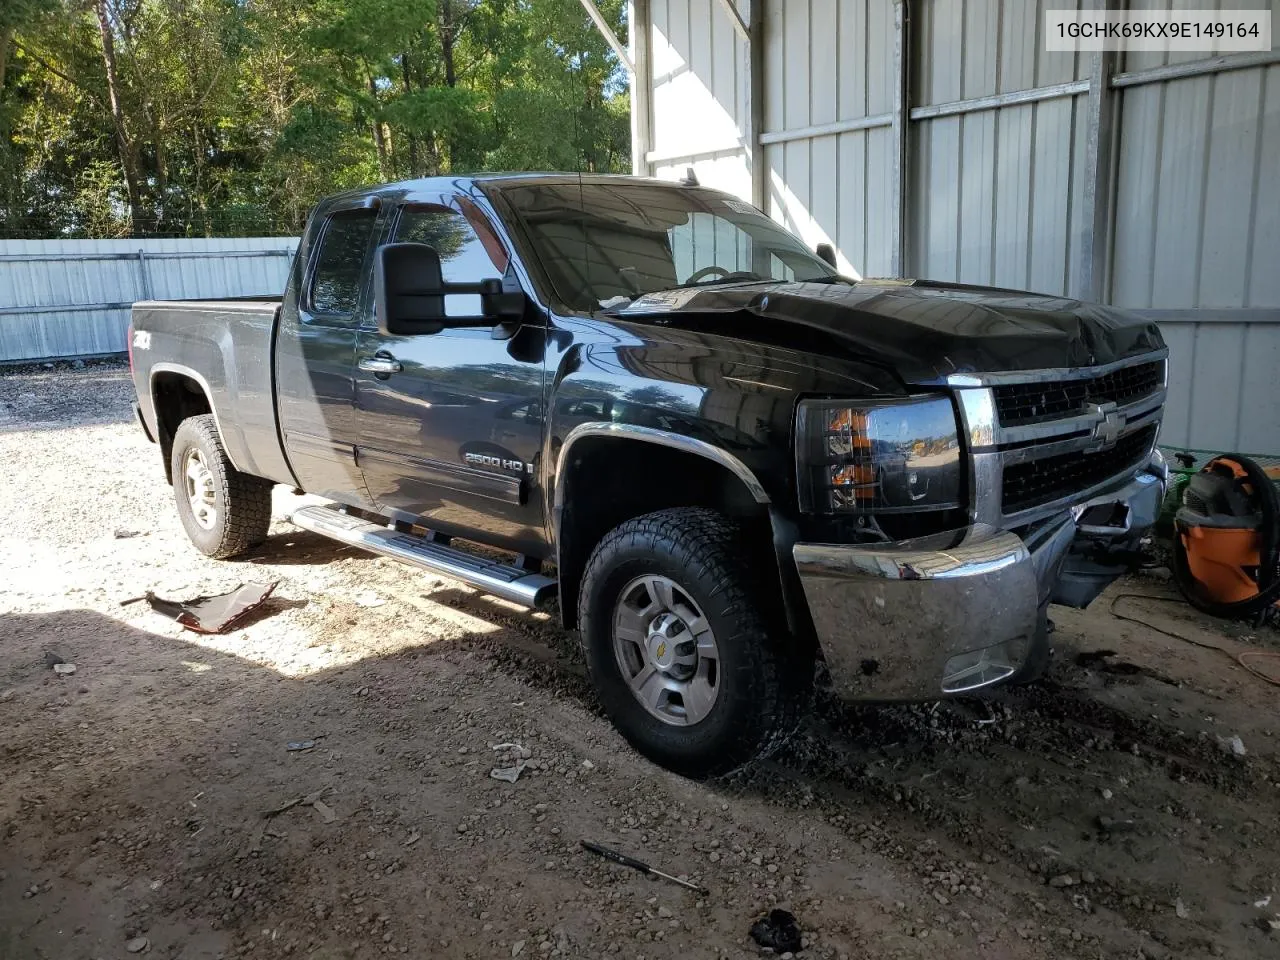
pixel 226 116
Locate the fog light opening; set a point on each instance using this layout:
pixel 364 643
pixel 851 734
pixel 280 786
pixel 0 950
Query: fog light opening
pixel 981 668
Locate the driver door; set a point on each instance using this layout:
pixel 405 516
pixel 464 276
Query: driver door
pixel 450 423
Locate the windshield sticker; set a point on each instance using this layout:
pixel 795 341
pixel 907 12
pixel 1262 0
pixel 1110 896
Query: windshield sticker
pixel 662 300
pixel 741 206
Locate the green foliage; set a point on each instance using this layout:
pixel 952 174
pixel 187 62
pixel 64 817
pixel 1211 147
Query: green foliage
pixel 235 116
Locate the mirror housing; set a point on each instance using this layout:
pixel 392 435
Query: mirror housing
pixel 409 293
pixel 827 254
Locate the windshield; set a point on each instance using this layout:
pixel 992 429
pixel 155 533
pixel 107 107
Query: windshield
pixel 603 244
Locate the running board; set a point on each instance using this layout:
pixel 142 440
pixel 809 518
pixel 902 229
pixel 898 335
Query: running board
pixel 488 576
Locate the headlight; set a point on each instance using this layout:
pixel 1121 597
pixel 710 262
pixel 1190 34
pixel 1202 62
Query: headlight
pixel 895 456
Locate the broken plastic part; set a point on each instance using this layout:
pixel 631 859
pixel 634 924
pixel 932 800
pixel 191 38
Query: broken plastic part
pixel 216 614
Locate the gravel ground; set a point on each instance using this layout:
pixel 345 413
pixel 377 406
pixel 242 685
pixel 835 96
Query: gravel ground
pixel 1101 813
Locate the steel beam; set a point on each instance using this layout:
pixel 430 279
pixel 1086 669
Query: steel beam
pixel 640 29
pixel 1091 280
pixel 738 23
pixel 610 37
pixel 1212 315
pixel 755 105
pixel 1196 68
pixel 899 123
pixel 133 255
pixel 994 102
pixel 63 308
pixel 828 129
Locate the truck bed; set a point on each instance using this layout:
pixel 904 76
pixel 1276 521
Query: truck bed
pixel 224 346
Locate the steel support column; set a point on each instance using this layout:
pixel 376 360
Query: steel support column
pixel 755 104
pixel 899 124
pixel 1090 280
pixel 640 30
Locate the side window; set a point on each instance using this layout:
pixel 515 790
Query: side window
pixel 463 257
pixel 339 269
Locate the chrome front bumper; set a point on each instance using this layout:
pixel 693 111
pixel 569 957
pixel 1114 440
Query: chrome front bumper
pixel 953 613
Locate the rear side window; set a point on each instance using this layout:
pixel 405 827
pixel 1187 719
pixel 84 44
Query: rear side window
pixel 339 270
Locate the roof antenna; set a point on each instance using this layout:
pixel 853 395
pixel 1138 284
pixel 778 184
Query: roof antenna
pixel 690 178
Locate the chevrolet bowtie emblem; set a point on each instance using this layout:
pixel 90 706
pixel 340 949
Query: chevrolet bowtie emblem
pixel 1109 423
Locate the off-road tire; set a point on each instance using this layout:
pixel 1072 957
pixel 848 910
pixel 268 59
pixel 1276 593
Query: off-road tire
pixel 765 681
pixel 244 501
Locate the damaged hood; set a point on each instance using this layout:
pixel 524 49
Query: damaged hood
pixel 924 331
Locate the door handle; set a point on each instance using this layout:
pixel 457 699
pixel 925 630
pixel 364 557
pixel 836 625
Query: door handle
pixel 380 365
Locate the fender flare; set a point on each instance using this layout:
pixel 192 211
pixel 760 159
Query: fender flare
pixel 165 366
pixel 783 530
pixel 676 441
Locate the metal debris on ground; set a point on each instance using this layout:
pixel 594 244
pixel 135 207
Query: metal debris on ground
pixel 778 932
pixel 293 746
pixel 65 669
pixel 215 614
pixel 308 801
pixel 514 760
pixel 634 864
pixel 138 945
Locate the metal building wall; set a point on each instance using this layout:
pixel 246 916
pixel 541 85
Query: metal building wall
pixel 828 139
pixel 993 180
pixel 699 79
pixel 68 298
pixel 938 138
pixel 1197 236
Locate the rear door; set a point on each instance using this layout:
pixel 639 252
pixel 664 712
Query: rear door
pixel 315 352
pixel 450 424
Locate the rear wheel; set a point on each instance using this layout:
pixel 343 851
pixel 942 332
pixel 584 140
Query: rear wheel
pixel 678 646
pixel 224 511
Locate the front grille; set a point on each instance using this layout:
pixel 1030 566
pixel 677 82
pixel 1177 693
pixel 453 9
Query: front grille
pixel 1036 482
pixel 1033 402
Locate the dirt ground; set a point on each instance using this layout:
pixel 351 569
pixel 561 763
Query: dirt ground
pixel 1101 813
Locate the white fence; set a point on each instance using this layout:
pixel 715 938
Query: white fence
pixel 71 298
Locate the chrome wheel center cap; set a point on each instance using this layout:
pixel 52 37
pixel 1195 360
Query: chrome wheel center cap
pixel 665 632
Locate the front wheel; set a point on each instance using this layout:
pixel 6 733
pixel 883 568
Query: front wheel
pixel 224 511
pixel 678 649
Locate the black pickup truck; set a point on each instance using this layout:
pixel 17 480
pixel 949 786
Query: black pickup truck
pixel 735 469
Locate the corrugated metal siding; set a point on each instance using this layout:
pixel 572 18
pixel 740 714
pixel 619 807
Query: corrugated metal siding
pixel 1198 226
pixel 993 191
pixel 832 188
pixel 699 95
pixel 998 195
pixel 28 283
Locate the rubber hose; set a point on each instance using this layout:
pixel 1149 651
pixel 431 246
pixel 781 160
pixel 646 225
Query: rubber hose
pixel 1268 555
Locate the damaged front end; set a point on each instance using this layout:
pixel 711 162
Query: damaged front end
pixel 1065 481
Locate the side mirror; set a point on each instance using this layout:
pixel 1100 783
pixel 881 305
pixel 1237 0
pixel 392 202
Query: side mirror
pixel 827 254
pixel 408 289
pixel 409 293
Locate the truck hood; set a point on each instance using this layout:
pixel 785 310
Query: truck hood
pixel 923 331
